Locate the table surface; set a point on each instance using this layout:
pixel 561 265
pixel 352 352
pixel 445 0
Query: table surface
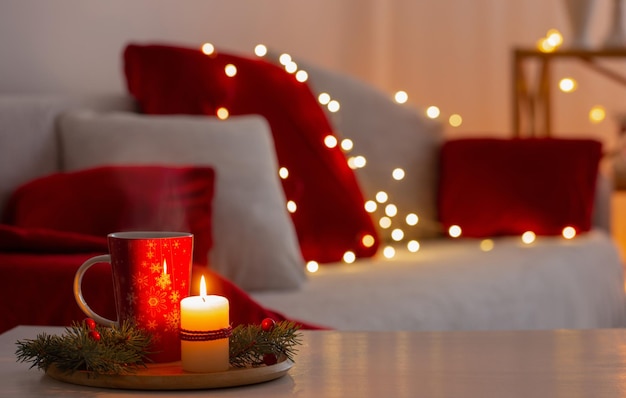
pixel 559 363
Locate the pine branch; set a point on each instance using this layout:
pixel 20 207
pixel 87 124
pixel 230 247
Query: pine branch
pixel 121 350
pixel 251 346
pixel 118 350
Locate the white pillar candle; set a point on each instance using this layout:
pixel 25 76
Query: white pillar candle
pixel 204 314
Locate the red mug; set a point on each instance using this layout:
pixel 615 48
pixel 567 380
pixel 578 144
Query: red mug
pixel 151 274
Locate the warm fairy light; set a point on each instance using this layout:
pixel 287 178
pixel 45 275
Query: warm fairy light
pixel 413 246
pixel 291 206
pixel 391 210
pixel 569 232
pixel 454 231
pixel 544 46
pixel 528 237
pixel 550 42
pixel 397 174
pixel 208 48
pixel 330 141
pixel 347 144
pixel 401 97
pixel 333 106
pixel 554 37
pixel 284 59
pixel 349 257
pixel 486 245
pixel 397 234
pixel 302 76
pixel 381 196
pixel 412 219
pixel 389 252
pixel 384 222
pixel 222 113
pixel 323 98
pixel 455 120
pixel 312 266
pixel 357 162
pixel 283 173
pixel 567 85
pixel 368 240
pixel 291 67
pixel 260 50
pixel 230 70
pixel 370 206
pixel 433 112
pixel 597 114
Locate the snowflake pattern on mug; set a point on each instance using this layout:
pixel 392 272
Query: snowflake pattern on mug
pixel 152 283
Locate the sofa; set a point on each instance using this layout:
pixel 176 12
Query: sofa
pixel 345 219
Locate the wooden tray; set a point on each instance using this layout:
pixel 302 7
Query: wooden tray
pixel 170 376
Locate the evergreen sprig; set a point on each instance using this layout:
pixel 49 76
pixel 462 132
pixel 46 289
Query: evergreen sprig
pixel 119 350
pixel 251 346
pixel 122 349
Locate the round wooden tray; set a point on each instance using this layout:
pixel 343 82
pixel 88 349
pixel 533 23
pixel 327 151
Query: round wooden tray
pixel 170 376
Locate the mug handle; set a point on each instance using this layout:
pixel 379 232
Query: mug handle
pixel 78 293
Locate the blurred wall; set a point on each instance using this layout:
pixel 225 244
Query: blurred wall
pixel 454 54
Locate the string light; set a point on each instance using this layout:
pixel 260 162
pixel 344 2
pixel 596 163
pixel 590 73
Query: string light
pixel 323 98
pixel 330 141
pixel 413 246
pixel 391 210
pixel 412 219
pixel 368 240
pixel 597 114
pixel 370 206
pixel 567 85
pixel 454 231
pixel 528 237
pixel 569 232
pixel 208 48
pixel 552 40
pixel 397 234
pixel 222 113
pixel 397 174
pixel 333 106
pixel 312 266
pixel 230 70
pixel 291 206
pixel 401 97
pixel 260 50
pixel 389 252
pixel 283 173
pixel 486 245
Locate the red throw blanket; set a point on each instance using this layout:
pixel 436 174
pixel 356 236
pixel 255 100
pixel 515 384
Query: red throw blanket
pixel 38 267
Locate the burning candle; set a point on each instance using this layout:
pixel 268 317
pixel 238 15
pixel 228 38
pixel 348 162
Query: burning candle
pixel 205 331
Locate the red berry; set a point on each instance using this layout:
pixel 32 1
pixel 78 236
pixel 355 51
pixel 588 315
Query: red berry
pixel 269 359
pixel 94 335
pixel 267 324
pixel 91 324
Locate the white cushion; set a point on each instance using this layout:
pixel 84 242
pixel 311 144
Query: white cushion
pixel 389 135
pixel 255 244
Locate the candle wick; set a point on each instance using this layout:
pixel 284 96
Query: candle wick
pixel 203 299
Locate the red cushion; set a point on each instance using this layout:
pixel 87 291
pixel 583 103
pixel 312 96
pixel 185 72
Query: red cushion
pixel 495 187
pixel 102 200
pixel 330 217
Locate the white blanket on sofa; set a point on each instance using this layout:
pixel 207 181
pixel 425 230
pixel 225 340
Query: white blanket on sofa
pixel 454 285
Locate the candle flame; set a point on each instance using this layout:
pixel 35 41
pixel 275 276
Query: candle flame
pixel 202 287
pixel 164 267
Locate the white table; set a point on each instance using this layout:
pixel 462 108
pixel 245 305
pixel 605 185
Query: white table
pixel 561 363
